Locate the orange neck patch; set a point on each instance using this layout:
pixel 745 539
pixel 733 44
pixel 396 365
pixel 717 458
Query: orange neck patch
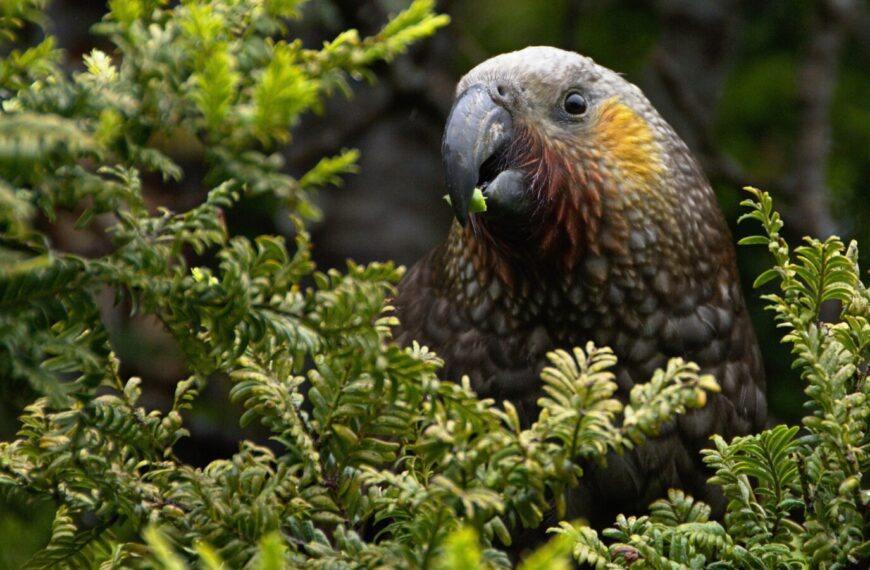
pixel 625 137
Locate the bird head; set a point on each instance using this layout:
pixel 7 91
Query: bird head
pixel 550 137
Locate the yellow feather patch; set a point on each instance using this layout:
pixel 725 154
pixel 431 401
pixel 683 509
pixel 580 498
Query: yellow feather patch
pixel 625 137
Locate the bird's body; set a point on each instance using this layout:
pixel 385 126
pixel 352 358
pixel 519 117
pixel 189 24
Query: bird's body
pixel 600 227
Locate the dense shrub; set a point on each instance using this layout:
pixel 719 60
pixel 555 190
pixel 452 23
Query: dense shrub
pixel 373 462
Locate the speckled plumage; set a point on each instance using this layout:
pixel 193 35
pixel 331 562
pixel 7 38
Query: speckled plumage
pixel 623 244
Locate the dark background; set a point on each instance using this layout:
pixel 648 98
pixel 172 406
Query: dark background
pixel 773 94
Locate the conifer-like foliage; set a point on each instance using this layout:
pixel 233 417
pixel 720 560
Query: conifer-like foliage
pixel 797 498
pixel 796 495
pixel 373 461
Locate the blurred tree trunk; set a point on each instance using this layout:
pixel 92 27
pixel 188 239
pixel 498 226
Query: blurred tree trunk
pixel 810 195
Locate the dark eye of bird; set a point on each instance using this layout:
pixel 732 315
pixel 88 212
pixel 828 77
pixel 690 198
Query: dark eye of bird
pixel 575 103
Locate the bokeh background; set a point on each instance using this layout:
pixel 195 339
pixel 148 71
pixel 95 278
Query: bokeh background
pixel 772 94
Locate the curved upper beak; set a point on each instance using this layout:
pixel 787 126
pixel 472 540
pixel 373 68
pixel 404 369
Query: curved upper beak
pixel 476 129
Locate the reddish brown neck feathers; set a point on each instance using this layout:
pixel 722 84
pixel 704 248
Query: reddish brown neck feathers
pixel 563 221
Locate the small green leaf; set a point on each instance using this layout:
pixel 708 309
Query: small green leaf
pixel 478 202
pixel 754 240
pixel 765 278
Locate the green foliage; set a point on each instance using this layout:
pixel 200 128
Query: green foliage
pixel 373 461
pixel 795 499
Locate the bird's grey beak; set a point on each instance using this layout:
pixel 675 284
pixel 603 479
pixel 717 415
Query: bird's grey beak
pixel 476 129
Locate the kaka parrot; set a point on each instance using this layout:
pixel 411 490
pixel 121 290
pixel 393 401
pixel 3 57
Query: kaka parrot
pixel 599 226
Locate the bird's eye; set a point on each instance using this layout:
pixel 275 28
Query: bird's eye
pixel 575 103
